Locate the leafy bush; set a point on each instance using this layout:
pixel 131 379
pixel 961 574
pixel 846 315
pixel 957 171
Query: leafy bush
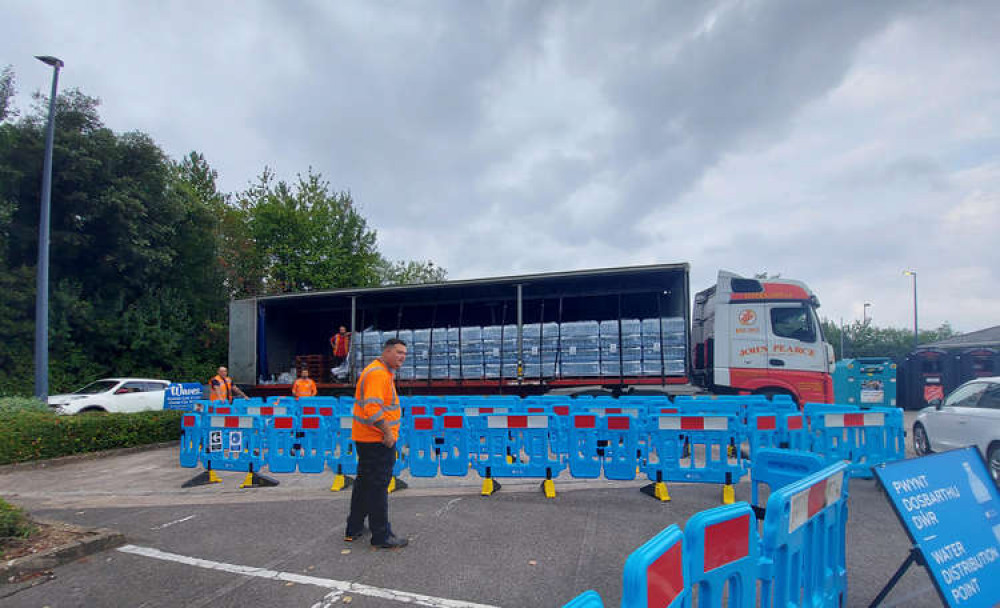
pixel 13 405
pixel 13 522
pixel 35 435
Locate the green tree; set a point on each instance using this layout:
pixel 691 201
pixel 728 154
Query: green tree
pixel 409 273
pixel 299 237
pixel 7 92
pixel 866 340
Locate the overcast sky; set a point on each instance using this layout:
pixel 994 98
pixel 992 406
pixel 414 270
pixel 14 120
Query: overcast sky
pixel 834 142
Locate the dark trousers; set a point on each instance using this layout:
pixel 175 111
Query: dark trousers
pixel 370 497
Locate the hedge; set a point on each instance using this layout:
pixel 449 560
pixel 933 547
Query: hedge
pixel 34 434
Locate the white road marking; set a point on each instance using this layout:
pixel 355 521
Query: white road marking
pixel 447 507
pixel 338 587
pixel 170 523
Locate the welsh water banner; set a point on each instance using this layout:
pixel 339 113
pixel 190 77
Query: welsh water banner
pixel 950 508
pixel 182 396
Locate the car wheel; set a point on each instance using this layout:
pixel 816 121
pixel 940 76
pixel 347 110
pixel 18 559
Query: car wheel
pixel 993 462
pixel 93 410
pixel 921 444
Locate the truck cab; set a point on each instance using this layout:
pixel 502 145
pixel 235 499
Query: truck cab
pixel 760 336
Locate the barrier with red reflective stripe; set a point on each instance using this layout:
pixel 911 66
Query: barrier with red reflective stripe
pixel 655 572
pixel 864 438
pixel 777 467
pixel 723 549
pixel 438 444
pixel 803 557
pixel 313 441
pixel 233 443
pixel 342 458
pixel 694 448
pixel 513 445
pixel 774 429
pixel 280 439
pixel 192 436
pixel 603 444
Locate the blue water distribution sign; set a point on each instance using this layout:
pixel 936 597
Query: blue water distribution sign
pixel 950 508
pixel 182 396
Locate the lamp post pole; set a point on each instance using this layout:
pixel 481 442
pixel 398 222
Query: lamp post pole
pixel 42 285
pixel 916 334
pixel 864 315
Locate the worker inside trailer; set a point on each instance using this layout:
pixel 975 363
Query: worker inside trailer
pixel 304 386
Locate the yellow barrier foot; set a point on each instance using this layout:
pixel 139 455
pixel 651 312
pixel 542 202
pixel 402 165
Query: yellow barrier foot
pixel 256 480
pixel 341 481
pixel 728 494
pixel 396 484
pixel 202 479
pixel 549 488
pixel 490 487
pixel 657 490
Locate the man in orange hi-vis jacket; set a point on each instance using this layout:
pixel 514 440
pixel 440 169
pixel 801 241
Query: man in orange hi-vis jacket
pixel 340 342
pixel 304 386
pixel 375 431
pixel 221 387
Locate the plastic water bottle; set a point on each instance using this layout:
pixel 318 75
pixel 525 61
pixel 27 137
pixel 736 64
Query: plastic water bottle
pixel 979 490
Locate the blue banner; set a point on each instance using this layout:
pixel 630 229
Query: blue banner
pixel 950 507
pixel 182 396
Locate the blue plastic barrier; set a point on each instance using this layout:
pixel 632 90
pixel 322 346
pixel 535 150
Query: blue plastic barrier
pixel 313 441
pixel 512 445
pixel 803 556
pixel 192 436
pixel 280 439
pixel 655 573
pixel 233 443
pixel 342 458
pixel 587 599
pixel 708 459
pixel 864 438
pixel 777 467
pixel 424 436
pixel 723 551
pixel 608 443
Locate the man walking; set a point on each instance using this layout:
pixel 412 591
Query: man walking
pixel 221 387
pixel 375 431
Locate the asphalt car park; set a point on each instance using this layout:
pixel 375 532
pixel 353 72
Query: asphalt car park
pixel 221 546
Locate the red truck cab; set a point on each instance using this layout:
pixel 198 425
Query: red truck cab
pixel 760 336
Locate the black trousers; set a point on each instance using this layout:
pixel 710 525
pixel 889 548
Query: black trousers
pixel 370 497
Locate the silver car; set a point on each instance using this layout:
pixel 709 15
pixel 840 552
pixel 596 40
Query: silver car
pixel 113 395
pixel 970 415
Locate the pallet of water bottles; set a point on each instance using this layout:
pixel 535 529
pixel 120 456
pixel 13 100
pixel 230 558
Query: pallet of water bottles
pixel 702 439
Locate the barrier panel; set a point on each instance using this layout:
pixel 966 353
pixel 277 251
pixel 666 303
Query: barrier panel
pixel 655 573
pixel 603 443
pixel 233 443
pixel 774 429
pixel 864 438
pixel 695 448
pixel 314 441
pixel 723 552
pixel 513 445
pixel 192 437
pixel 803 545
pixel 280 439
pixel 778 467
pixel 342 458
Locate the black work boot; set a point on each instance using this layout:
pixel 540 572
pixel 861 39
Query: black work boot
pixel 391 542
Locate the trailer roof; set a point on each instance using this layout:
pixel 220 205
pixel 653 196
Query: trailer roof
pixel 596 273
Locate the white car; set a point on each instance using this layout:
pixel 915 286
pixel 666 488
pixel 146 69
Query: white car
pixel 969 416
pixel 113 395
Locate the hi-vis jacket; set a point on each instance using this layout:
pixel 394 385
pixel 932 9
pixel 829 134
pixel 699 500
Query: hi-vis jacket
pixel 375 399
pixel 303 387
pixel 221 389
pixel 340 344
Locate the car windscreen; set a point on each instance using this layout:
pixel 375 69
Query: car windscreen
pixel 93 388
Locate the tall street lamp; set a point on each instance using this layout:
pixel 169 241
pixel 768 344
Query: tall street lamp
pixel 864 315
pixel 42 287
pixel 916 336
